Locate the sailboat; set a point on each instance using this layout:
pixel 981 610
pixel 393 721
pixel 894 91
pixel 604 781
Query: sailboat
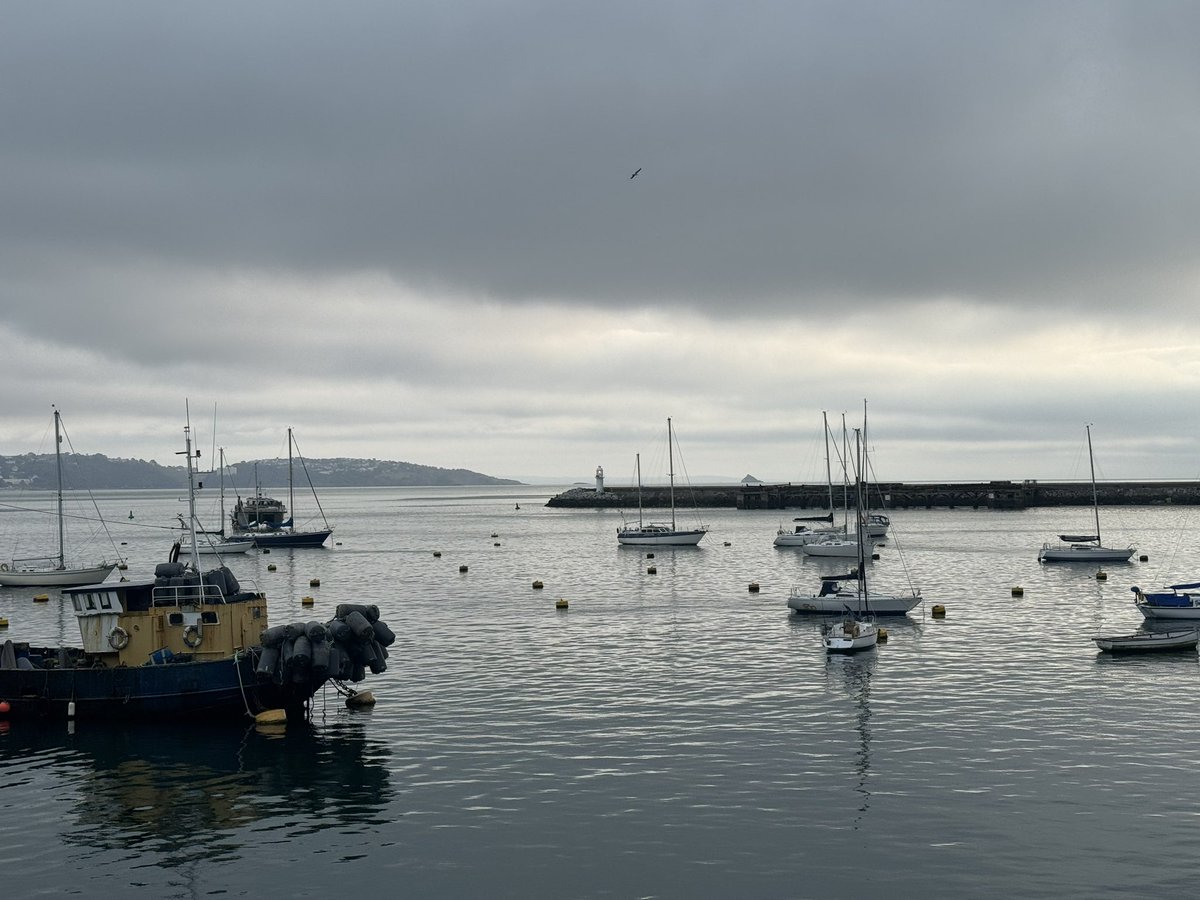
pixel 205 545
pixel 857 629
pixel 659 534
pixel 53 571
pixel 803 533
pixel 265 530
pixel 843 545
pixel 839 592
pixel 1085 547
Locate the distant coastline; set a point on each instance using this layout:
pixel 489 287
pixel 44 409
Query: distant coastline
pixel 98 472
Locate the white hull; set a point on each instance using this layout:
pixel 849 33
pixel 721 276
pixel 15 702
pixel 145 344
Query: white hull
pixel 801 538
pixel 224 548
pixel 641 538
pixel 1149 641
pixel 837 549
pixel 833 604
pixel 56 577
pixel 849 636
pixel 1083 553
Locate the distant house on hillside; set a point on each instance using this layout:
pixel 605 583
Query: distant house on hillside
pixel 750 479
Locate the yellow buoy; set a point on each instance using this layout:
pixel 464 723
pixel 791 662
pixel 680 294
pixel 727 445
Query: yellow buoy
pixel 882 636
pixel 1018 592
pixel 271 717
pixel 754 587
pixel 1143 558
pixel 1102 576
pixel 314 582
pixel 649 556
pixel 307 601
pixel 560 603
pixel 938 611
pixel 537 585
pixel 271 567
pixel 3 622
pixel 652 570
pixel 40 598
pixel 122 566
pixel 360 698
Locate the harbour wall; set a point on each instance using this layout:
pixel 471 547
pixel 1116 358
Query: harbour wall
pixel 892 495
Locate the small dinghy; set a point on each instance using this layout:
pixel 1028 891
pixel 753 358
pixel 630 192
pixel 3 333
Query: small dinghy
pixel 1149 641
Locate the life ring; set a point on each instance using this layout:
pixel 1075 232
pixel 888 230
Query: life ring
pixel 192 636
pixel 3 567
pixel 118 638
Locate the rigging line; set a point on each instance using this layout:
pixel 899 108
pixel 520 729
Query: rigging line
pixel 66 515
pixel 103 523
pixel 304 466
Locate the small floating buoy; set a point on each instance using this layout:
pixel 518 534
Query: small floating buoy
pixel 1143 558
pixel 560 603
pixel 875 556
pixel 882 636
pixel 494 534
pixel 649 556
pixel 40 598
pixel 337 543
pixel 518 506
pixel 4 707
pixel 122 566
pixel 306 601
pixel 271 717
pixel 754 587
pixel 360 698
pixel 1018 592
pixel 314 582
pixel 462 568
pixel 437 554
pixel 652 570
pixel 266 549
pixel 3 622
pixel 124 543
pixel 271 567
pixel 497 544
pixel 938 611
pixel 1102 576
pixel 727 544
pixel 71 709
pixel 131 514
pixel 537 585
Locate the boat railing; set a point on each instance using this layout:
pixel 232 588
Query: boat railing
pixel 35 562
pixel 188 595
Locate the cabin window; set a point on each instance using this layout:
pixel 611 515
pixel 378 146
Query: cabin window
pixel 208 617
pixel 91 601
pixel 106 601
pixel 78 605
pixel 256 613
pixel 174 618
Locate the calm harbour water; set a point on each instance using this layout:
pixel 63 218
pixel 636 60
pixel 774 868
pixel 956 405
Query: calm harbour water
pixel 670 735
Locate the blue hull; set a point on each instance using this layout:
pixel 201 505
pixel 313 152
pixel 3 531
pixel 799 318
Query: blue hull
pixel 220 689
pixel 271 540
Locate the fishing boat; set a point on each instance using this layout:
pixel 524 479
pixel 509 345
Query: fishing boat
pixel 856 630
pixel 1148 641
pixel 1085 547
pixel 659 534
pixel 1173 603
pixel 215 543
pixel 260 519
pixel 804 533
pixel 55 571
pixel 187 645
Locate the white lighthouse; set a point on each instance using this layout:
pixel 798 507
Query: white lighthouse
pixel 599 479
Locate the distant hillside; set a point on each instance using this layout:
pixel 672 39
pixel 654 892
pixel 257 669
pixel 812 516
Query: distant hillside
pixel 98 472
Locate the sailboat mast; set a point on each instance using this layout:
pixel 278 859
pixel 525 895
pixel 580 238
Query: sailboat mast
pixel 187 441
pixel 62 564
pixel 862 529
pixel 671 471
pixel 828 470
pixel 221 454
pixel 1095 502
pixel 639 478
pixel 291 492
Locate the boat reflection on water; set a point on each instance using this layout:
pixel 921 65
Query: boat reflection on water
pixel 185 794
pixel 851 675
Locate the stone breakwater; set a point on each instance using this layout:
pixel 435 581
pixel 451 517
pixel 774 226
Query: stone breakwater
pixel 892 495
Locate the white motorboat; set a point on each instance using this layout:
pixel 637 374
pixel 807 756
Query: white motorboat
pixel 1149 641
pixel 1086 548
pixel 1174 603
pixel 55 571
pixel 659 534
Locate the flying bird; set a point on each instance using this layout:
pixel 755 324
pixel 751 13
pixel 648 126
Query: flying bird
pixel 635 174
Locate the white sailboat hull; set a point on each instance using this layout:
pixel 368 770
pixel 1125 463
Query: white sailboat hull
pixel 56 577
pixel 834 604
pixel 801 538
pixel 1083 553
pixel 224 547
pixel 834 549
pixel 849 636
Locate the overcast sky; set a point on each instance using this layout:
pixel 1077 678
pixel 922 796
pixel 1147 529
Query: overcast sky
pixel 409 232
